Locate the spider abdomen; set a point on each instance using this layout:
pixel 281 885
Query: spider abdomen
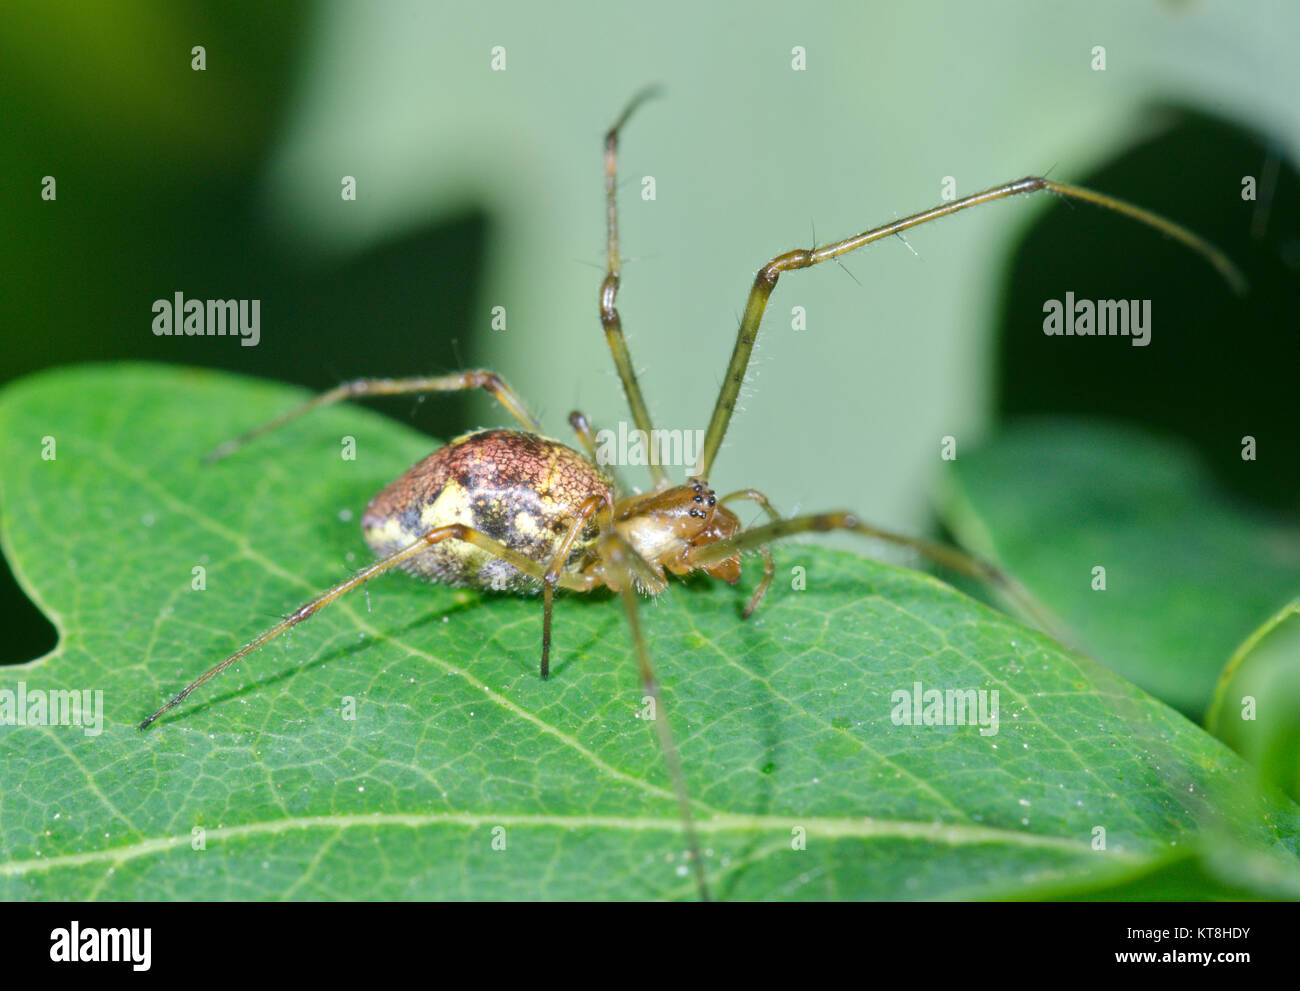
pixel 515 487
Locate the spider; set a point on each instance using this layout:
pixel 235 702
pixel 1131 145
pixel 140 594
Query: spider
pixel 516 511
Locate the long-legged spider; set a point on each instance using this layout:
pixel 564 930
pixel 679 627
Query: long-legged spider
pixel 515 511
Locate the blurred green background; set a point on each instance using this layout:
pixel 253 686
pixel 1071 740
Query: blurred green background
pixel 479 188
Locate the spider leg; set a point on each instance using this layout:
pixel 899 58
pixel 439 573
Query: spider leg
pixel 765 281
pixel 769 565
pixel 587 437
pixel 551 577
pixel 948 557
pixel 624 563
pixel 582 430
pixel 457 381
pixel 609 318
pixel 455 531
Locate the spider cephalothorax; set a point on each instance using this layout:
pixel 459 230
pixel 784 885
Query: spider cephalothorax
pixel 511 510
pixel 667 527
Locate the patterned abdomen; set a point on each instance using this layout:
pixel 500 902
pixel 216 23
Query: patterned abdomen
pixel 515 487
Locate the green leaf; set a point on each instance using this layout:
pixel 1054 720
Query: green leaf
pixel 1188 571
pixel 784 721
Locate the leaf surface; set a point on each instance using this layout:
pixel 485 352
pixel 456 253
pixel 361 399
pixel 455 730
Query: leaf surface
pixel 1189 572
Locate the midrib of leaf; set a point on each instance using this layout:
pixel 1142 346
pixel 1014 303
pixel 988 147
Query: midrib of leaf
pixel 948 834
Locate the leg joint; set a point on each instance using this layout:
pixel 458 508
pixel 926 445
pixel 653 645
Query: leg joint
pixel 481 378
pixel 608 292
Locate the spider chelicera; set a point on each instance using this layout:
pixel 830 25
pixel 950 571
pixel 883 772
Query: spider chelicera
pixel 515 511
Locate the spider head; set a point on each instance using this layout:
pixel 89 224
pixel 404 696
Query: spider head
pixel 666 526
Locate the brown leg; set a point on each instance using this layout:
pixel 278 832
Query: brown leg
pixel 621 557
pixel 455 531
pixel 551 577
pixel 769 565
pixel 587 437
pixel 582 430
pixel 949 557
pixel 457 381
pixel 609 318
pixel 767 277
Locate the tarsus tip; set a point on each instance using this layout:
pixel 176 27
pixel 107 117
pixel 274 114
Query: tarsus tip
pixel 1239 283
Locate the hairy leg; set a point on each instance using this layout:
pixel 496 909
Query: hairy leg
pixel 765 281
pixel 609 318
pixel 455 382
pixel 769 565
pixel 620 556
pixel 551 577
pixel 949 557
pixel 587 438
pixel 455 531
